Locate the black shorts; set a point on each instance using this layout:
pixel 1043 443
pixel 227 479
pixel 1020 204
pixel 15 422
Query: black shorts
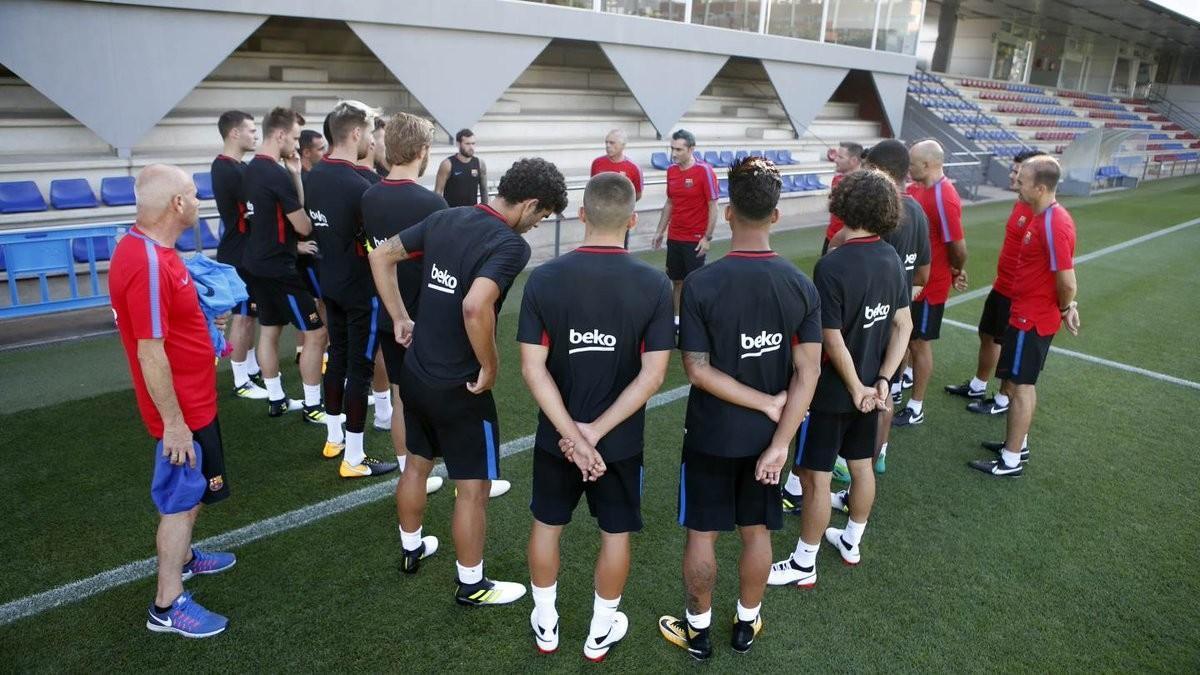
pixel 212 467
pixel 306 265
pixel 246 307
pixel 717 494
pixel 452 423
pixel 927 320
pixel 825 435
pixel 285 300
pixel 615 500
pixel 682 259
pixel 351 334
pixel 393 352
pixel 1022 356
pixel 994 320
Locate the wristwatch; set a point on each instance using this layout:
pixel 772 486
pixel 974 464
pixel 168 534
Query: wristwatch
pixel 1070 306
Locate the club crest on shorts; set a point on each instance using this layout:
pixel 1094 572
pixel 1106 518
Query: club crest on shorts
pixel 313 317
pixel 216 483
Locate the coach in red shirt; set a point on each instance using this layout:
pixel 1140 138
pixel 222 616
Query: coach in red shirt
pixel 1043 299
pixel 948 255
pixel 171 360
pixel 847 158
pixel 614 160
pixel 690 211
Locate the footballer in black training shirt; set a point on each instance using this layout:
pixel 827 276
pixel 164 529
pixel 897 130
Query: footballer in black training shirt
pixel 333 198
pixel 750 332
pixel 239 135
pixel 596 330
pixel 395 204
pixel 470 257
pixel 274 207
pixel 866 325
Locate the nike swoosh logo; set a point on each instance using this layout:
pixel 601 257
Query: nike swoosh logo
pixel 166 622
pixel 600 640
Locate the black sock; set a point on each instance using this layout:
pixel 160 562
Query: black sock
pixel 161 610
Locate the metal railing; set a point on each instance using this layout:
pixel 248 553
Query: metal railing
pixel 1174 112
pixel 43 253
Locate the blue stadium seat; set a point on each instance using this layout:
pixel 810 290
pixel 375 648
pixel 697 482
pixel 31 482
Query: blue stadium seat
pixel 21 196
pixel 72 193
pixel 102 248
pixel 203 182
pixel 712 158
pixel 793 183
pixel 815 182
pixel 785 157
pixel 187 240
pixel 772 155
pixel 726 158
pixel 756 153
pixel 723 187
pixel 117 191
pixel 659 160
pixel 741 154
pixel 696 154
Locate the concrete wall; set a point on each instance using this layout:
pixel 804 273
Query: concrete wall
pixel 1186 96
pixel 1099 75
pixel 973 48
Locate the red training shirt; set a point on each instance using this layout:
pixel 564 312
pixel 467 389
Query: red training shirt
pixel 602 164
pixel 1048 246
pixel 690 190
pixel 153 296
pixel 1006 264
pixel 835 223
pixel 943 208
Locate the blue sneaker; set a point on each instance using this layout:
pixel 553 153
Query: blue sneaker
pixel 186 617
pixel 204 562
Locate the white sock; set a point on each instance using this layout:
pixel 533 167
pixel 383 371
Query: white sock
pixel 354 448
pixel 1011 459
pixel 312 394
pixel 897 388
pixel 240 376
pixel 915 405
pixel 469 575
pixel 978 384
pixel 274 388
pixel 602 614
pixel 1001 399
pixel 883 450
pixel 543 602
pixel 805 555
pixel 410 540
pixel 252 366
pixel 853 532
pixel 747 613
pixel 677 326
pixel 793 484
pixel 333 428
pixel 402 460
pixel 699 621
pixel 383 404
pixel 908 372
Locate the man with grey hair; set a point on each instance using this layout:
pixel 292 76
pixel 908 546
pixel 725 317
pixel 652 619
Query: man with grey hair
pixel 592 371
pixel 165 336
pixel 614 159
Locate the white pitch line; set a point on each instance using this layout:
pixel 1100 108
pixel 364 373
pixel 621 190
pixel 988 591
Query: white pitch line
pixel 1162 377
pixel 85 588
pixel 134 571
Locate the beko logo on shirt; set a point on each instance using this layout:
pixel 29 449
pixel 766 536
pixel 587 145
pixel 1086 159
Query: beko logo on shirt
pixel 442 280
pixel 910 261
pixel 763 342
pixel 249 209
pixel 592 341
pixel 876 314
pixel 318 218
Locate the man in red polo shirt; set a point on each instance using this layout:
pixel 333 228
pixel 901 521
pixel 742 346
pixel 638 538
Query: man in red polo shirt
pixel 994 320
pixel 948 255
pixel 614 159
pixel 1043 300
pixel 172 365
pixel 846 157
pixel 690 212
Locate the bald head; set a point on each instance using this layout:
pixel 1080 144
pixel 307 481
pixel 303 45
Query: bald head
pixel 928 151
pixel 614 144
pixel 165 192
pixel 925 161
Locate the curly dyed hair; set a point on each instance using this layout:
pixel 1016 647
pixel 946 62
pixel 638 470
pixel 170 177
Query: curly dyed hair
pixel 534 178
pixel 867 199
pixel 754 186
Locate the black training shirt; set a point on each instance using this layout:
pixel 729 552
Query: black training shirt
pixel 270 195
pixel 370 175
pixel 226 175
pixel 745 311
pixel 333 198
pixel 459 245
pixel 388 209
pixel 597 309
pixel 862 285
pixel 911 238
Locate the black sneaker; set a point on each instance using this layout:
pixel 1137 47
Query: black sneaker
pixel 283 405
pixel 257 378
pixel 681 634
pixel 996 447
pixel 791 503
pixel 906 381
pixel 744 633
pixel 314 414
pixel 965 390
pixel 987 407
pixel 908 418
pixel 488 592
pixel 996 467
pixel 897 397
pixel 410 561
